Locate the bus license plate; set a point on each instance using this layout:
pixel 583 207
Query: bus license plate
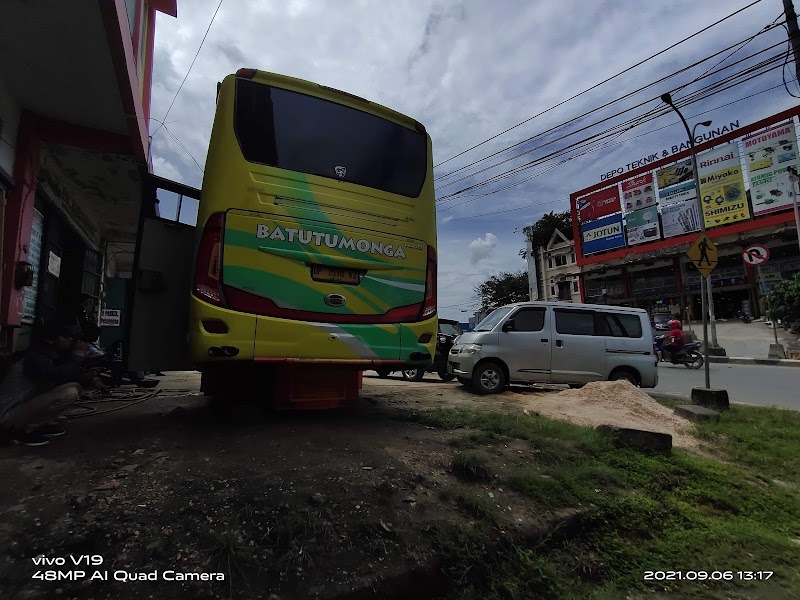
pixel 335 275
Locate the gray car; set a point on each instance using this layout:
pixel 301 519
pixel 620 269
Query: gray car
pixel 556 342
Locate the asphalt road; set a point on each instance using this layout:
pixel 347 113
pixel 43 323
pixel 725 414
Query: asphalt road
pixel 750 384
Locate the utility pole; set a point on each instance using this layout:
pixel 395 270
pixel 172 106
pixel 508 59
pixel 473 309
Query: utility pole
pixel 794 33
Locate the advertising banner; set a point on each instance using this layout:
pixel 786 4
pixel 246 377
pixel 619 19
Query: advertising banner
pixel 603 234
pixel 677 193
pixel 722 186
pixel 639 192
pixel 768 154
pixel 674 174
pixel 642 226
pixel 679 218
pixel 598 205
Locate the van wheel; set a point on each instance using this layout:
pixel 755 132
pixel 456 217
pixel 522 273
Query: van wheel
pixel 414 374
pixel 383 373
pixel 624 374
pixel 489 379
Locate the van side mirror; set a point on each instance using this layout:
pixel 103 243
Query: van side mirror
pixel 509 325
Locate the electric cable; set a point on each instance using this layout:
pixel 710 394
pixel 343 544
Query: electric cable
pixel 587 152
pixel 708 74
pixel 602 82
pixel 214 16
pixel 709 91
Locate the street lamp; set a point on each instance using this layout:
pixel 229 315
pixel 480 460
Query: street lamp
pixel 705 283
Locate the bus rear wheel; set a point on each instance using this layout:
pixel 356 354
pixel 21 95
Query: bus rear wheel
pixel 414 374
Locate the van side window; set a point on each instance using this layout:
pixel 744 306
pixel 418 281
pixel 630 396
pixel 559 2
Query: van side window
pixel 573 322
pixel 529 319
pixel 618 325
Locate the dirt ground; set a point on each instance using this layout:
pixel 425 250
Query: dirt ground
pixel 342 504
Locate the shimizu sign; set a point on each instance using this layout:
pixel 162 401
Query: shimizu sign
pixel 722 186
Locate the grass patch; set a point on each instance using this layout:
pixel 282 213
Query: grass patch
pixel 638 512
pixel 475 507
pixel 477 439
pixel 766 440
pixel 470 466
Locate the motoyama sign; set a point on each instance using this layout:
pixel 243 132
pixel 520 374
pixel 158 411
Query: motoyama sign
pixel 667 152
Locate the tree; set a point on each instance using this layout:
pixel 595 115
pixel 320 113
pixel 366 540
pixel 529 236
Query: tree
pixel 783 300
pixel 540 232
pixel 504 288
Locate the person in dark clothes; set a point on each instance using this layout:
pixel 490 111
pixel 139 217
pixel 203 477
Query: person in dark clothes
pixel 40 388
pixel 96 356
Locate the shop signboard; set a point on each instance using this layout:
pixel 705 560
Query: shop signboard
pixel 642 226
pixel 767 155
pixel 598 204
pixel 639 192
pixel 680 218
pixel 674 174
pixel 110 317
pixel 722 186
pixel 603 234
pixel 677 193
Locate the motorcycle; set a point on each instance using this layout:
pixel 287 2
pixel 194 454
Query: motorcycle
pixel 688 356
pixel 744 316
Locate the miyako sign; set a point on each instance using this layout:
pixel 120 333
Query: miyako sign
pixel 603 234
pixel 722 186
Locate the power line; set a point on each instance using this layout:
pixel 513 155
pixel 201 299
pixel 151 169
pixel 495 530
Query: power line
pixel 214 16
pixel 590 151
pixel 707 92
pixel 601 83
pixel 559 126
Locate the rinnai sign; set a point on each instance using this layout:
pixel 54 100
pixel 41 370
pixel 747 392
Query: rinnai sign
pixel 598 205
pixel 667 152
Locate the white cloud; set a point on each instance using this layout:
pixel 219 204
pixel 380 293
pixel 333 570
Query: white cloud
pixel 481 248
pixel 468 70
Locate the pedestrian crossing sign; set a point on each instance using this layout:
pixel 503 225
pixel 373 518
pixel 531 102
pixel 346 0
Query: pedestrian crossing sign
pixel 703 253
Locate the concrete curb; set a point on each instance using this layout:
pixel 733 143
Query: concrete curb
pixel 740 360
pixel 668 396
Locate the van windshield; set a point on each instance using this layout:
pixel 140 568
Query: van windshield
pixel 493 319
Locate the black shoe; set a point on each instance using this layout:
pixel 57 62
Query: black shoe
pixel 147 383
pixel 50 430
pixel 34 438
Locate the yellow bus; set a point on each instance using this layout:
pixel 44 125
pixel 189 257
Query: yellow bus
pixel 317 237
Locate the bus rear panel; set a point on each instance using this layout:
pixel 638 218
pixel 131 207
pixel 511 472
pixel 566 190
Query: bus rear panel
pixel 317 231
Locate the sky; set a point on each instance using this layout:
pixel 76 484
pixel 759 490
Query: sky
pixel 469 71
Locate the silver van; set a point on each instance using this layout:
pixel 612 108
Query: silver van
pixel 556 342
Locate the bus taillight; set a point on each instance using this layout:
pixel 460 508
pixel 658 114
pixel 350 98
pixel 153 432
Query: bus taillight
pixel 208 270
pixel 429 304
pixel 246 73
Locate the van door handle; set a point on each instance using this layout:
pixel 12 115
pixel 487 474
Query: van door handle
pixel 545 340
pixel 559 343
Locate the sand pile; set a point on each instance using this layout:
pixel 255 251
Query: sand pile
pixel 614 403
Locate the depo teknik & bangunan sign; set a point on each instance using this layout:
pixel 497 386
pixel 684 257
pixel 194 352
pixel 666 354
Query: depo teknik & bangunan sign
pixel 722 186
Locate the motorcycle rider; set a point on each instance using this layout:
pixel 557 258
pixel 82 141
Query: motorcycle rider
pixel 675 340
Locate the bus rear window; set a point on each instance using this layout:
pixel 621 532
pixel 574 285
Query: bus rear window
pixel 294 131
